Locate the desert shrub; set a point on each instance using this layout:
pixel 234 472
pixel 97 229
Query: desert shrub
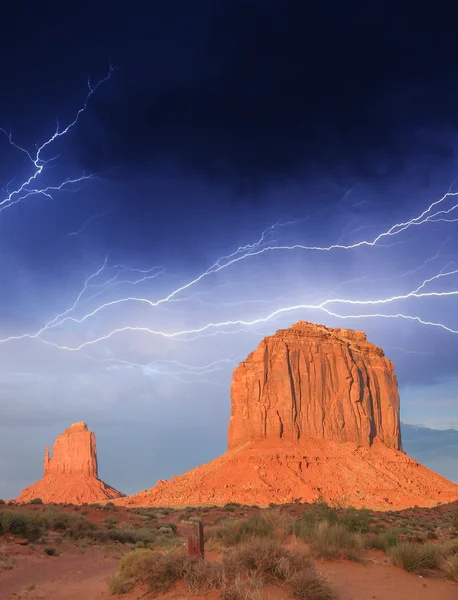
pixel 194 519
pixel 2 501
pixel 233 532
pixel 57 519
pixel 280 521
pixel 36 501
pixel 241 588
pixel 172 526
pixel 201 575
pixel 356 521
pixel 183 517
pixel 321 511
pixel 454 518
pixel 119 585
pixel 79 527
pixel 50 551
pixel 334 541
pixel 267 558
pixel 240 575
pixel 309 585
pixel 27 525
pixel 159 570
pixel 414 558
pixel 450 567
pixel 382 541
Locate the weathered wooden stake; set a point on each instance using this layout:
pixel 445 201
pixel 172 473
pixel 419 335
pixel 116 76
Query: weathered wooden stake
pixel 196 541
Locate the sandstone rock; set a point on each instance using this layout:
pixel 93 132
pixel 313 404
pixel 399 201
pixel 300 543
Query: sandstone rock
pixel 71 474
pixel 315 413
pixel 311 381
pixel 74 453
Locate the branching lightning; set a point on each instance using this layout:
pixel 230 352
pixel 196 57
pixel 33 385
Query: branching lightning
pixel 26 189
pixel 95 305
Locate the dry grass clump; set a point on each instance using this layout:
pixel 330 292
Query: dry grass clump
pixel 416 558
pixel 382 541
pixel 241 575
pixel 335 541
pixel 234 532
pixel 241 588
pixel 309 585
pixel 268 559
pixel 450 567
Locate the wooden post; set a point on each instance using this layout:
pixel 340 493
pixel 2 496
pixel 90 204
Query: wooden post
pixel 196 540
pixel 201 540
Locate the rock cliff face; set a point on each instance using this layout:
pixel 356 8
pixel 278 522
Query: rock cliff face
pixel 315 413
pixel 71 475
pixel 315 382
pixel 74 453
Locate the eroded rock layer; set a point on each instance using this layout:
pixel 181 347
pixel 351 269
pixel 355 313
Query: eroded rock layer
pixel 71 474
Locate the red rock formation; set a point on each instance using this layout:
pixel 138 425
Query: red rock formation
pixel 315 412
pixel 311 381
pixel 71 474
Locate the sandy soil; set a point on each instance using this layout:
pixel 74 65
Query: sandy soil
pixel 86 577
pixel 60 578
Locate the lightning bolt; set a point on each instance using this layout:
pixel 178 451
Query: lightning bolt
pixel 250 251
pixel 86 306
pixel 26 188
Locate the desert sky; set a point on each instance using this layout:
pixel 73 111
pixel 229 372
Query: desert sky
pixel 231 168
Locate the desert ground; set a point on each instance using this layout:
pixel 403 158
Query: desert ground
pixel 306 551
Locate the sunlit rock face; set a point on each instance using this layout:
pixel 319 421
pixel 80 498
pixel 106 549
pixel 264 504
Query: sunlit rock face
pixel 315 414
pixel 70 474
pixel 312 381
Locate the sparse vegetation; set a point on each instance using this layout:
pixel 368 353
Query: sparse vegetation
pixel 382 541
pixel 27 525
pixel 50 551
pixel 240 575
pixel 450 567
pixel 36 501
pixel 335 541
pixel 416 558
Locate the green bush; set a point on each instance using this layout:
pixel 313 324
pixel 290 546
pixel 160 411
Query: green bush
pixel 28 525
pixel 36 501
pixel 356 521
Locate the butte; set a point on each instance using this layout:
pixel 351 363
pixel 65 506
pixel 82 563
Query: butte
pixel 315 414
pixel 71 475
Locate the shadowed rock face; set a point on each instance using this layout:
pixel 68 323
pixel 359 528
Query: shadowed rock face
pixel 70 474
pixel 312 381
pixel 315 413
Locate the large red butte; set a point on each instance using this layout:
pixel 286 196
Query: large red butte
pixel 71 474
pixel 315 413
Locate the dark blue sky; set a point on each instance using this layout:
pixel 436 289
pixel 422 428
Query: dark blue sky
pixel 319 126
